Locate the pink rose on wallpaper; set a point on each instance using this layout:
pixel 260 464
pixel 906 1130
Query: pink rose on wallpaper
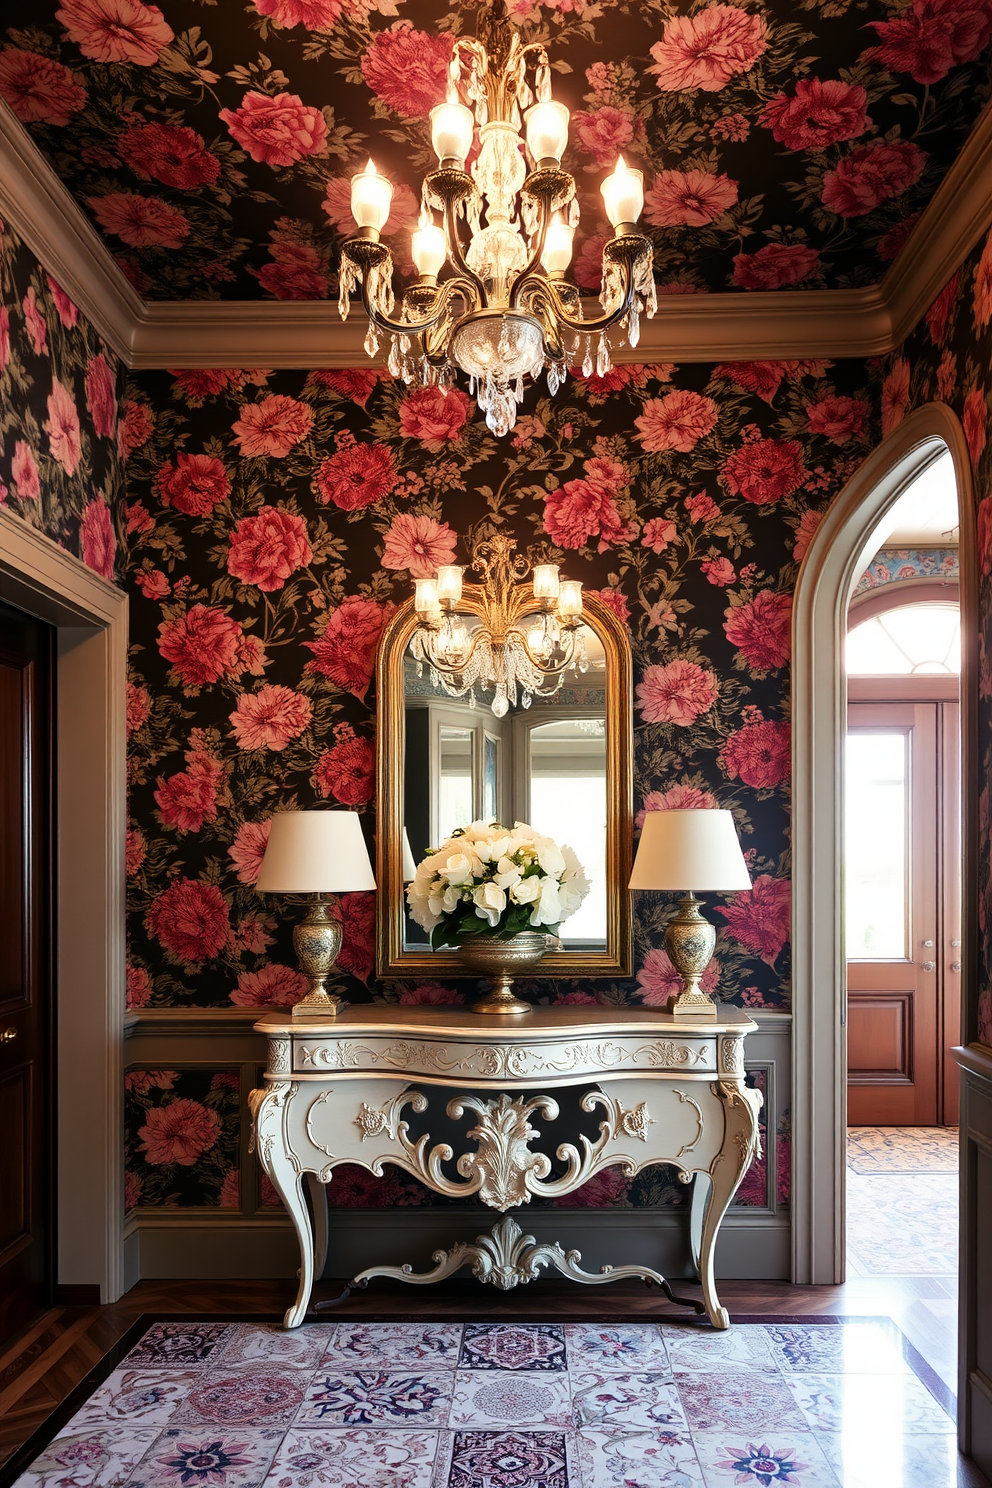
pixel 761 630
pixel 947 377
pixel 613 599
pixel 189 798
pixel 659 981
pixel 273 426
pixel 604 133
pixel 134 429
pixel 776 266
pixel 408 69
pixel 270 986
pixel 99 540
pixel 4 336
pixel 37 89
pixel 67 311
pixel 983 287
pixel 765 470
pixel 689 198
pixel 356 476
pixel 153 583
pixel 137 707
pixel 199 383
pixel 707 49
pixel 719 571
pixel 296 273
pixel 357 952
pixel 895 396
pixel 678 421
pixel 139 986
pixel 431 994
pixel 839 419
pixel 345 652
pixel 974 419
pixel 434 415
pixel 270 718
pixel 818 114
pixel 419 544
pixel 315 15
pixel 35 322
pixel 702 508
pixel 276 131
pixel 939 315
pixel 677 692
pixel 190 919
pixel 179 1132
pixel 194 485
pixel 140 221
pixel 135 849
pixel 357 384
pixel 266 549
pixel 141 1081
pixel 201 645
pixel 579 510
pixel 101 397
pixel 116 30
pixel 169 153
pixel 808 523
pixel 930 37
pixel 758 918
pixel 761 378
pixel 347 772
pixel 658 533
pixel 24 473
pixel 871 174
pixel 677 798
pixel 248 848
pixel 759 754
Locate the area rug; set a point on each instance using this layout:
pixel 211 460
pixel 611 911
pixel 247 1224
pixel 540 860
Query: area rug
pixel 902 1226
pixel 805 1402
pixel 902 1149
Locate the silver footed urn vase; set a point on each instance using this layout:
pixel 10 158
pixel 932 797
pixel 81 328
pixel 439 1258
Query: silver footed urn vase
pixel 499 959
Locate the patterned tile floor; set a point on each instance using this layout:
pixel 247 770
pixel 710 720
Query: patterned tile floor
pixel 500 1405
pixel 902 1149
pixel 902 1201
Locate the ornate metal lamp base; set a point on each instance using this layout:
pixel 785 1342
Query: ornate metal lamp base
pixel 689 941
pixel 317 940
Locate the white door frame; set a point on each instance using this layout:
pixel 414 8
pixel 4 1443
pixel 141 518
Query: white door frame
pixel 91 619
pixel 831 567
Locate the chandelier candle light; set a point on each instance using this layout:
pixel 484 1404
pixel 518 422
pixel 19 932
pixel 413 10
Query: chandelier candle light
pixel 506 310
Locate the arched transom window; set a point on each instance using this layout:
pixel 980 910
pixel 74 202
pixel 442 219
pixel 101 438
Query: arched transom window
pixel 910 640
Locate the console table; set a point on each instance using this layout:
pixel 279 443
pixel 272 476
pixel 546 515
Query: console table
pixel 666 1090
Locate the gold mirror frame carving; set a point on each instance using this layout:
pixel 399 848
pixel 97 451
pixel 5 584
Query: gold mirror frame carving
pixel 392 959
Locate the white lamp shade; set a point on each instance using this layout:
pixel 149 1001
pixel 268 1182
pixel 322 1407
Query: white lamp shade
pixel 315 852
pixel 684 851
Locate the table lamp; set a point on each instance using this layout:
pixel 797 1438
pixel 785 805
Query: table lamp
pixel 317 854
pixel 679 848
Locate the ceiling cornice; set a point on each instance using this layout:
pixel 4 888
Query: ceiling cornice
pixel 742 326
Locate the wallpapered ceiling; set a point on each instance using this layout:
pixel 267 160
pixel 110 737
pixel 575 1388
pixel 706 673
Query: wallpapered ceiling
pixel 782 145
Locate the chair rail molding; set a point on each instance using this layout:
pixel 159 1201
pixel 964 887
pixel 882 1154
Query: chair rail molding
pixel 90 616
pixel 829 571
pixel 739 326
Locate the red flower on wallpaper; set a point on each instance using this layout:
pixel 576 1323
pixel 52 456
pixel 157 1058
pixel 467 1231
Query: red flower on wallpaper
pixel 190 919
pixel 818 114
pixel 719 571
pixel 974 418
pixel 759 754
pixel 983 287
pixel 808 523
pixel 347 771
pixel 137 706
pixel 356 476
pixel 776 266
pixel 758 918
pixel 434 415
pixel 418 544
pixel 248 848
pixel 707 49
pixel 408 69
pixel 357 954
pixel 657 533
pixel 201 645
pixel 276 130
pixel 35 322
pixel 677 692
pixel 37 89
pixel 316 15
pixel 939 315
pixel 659 981
pixel 871 174
pixel 690 198
pixel 68 312
pixel 984 536
pixel 179 1132
pixel 761 630
pixel 357 384
pixel 296 273
pixel 273 426
pixel 345 652
pixel 266 549
pixel 895 395
pixel 270 718
pixel 198 383
pixel 677 798
pixel 189 798
pixel 4 336
pixel 138 986
pixel 929 37
pixel 135 850
pixel 613 599
pixel 270 986
pixel 24 472
pixel 134 428
pixel 765 470
pixel 678 421
pixel 762 378
pixel 101 398
pixel 702 507
pixel 169 153
pixel 116 30
pixel 587 266
pixel 140 221
pixel 839 419
pixel 581 509
pixel 98 539
pixel 62 428
pixel 604 133
pixel 194 485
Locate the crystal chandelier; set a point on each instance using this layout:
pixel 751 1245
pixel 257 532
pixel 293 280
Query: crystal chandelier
pixel 526 636
pixel 505 311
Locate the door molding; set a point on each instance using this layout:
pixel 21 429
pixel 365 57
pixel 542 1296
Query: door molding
pixel 91 620
pixel 830 569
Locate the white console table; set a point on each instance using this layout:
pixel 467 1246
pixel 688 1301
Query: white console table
pixel 666 1090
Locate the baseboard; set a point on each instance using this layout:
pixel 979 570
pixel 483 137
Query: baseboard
pixel 80 1294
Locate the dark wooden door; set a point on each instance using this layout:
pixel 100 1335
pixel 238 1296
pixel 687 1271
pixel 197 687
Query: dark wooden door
pixel 26 1043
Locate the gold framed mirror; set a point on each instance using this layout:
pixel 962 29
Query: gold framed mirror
pixel 563 764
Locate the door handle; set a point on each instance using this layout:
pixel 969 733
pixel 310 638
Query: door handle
pixel 8 1035
pixel 928 966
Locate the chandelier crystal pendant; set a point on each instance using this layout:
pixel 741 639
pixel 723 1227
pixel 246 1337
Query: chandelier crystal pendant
pixel 505 310
pixel 527 635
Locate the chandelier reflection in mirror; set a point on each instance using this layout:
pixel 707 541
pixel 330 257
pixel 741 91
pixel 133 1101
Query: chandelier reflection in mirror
pixel 525 637
pixel 506 310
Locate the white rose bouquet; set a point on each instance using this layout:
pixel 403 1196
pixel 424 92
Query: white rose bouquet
pixel 487 879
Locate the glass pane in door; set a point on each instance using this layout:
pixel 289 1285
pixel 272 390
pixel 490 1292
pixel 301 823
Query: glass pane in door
pixel 455 788
pixel 877 846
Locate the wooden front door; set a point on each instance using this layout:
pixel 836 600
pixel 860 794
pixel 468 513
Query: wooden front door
pixel 902 873
pixel 26 1063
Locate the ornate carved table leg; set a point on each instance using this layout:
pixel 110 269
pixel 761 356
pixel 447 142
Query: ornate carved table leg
pixel 740 1145
pixel 318 1205
pixel 698 1203
pixel 268 1109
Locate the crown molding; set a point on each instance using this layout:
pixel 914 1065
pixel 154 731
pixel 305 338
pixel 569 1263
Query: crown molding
pixel 742 326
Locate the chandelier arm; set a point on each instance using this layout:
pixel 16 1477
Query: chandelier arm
pixel 446 667
pixel 459 284
pixel 544 666
pixel 458 257
pixel 582 327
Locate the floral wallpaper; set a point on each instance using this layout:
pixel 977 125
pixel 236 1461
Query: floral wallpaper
pixel 61 467
pixel 181 1138
pixel 212 145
